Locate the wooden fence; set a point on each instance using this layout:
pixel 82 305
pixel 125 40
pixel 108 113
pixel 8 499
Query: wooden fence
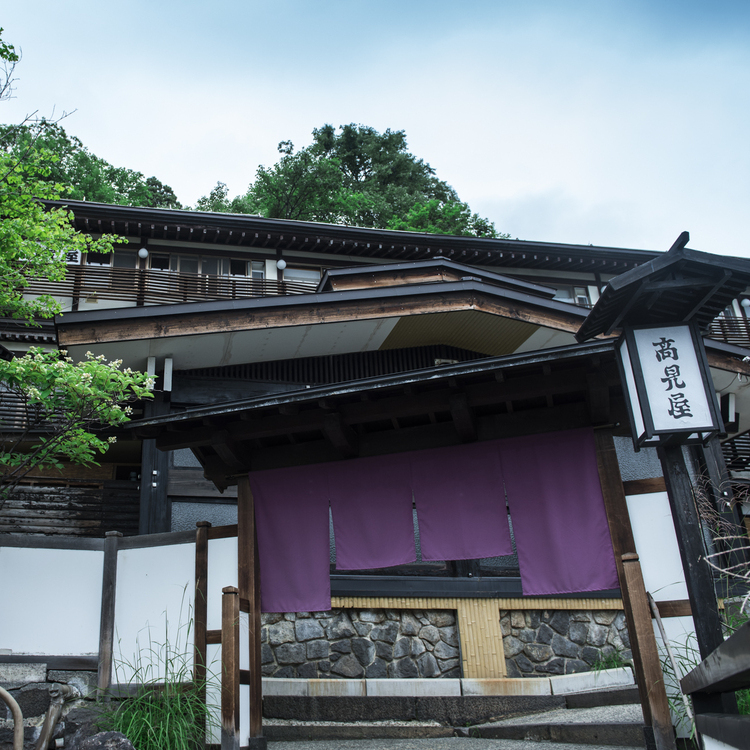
pixel 726 669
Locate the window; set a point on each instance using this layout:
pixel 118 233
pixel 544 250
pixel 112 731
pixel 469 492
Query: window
pixel 305 275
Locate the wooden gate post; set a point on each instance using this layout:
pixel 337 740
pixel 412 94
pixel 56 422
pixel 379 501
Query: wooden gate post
pixel 249 585
pixel 648 672
pixel 107 619
pixel 230 669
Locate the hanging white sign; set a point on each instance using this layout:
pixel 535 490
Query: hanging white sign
pixel 669 385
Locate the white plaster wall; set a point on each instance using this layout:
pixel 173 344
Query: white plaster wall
pixel 222 572
pixel 664 578
pixel 51 600
pixel 154 607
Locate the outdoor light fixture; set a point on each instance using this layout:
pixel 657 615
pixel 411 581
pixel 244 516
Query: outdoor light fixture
pixel 143 253
pixel 670 392
pixel 281 264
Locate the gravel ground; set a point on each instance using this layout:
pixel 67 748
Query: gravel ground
pixel 447 743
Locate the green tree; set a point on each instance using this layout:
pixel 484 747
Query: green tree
pixel 353 175
pixel 45 391
pixel 80 174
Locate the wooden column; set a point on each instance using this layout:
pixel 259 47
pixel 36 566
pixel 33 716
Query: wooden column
pixel 107 620
pixel 249 585
pixel 230 669
pixel 155 511
pixel 698 575
pixel 200 610
pixel 642 639
pixel 643 634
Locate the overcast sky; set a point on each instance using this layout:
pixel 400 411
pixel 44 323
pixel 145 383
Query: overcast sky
pixel 618 123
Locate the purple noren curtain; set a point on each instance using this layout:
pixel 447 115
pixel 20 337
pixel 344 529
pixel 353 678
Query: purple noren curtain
pixel 371 508
pixel 558 515
pixel 291 512
pixel 461 502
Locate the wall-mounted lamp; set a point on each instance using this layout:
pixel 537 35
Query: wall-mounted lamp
pixel 281 264
pixel 143 253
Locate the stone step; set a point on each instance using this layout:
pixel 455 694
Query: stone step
pixel 605 725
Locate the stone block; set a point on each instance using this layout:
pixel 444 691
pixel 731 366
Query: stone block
pixel 512 646
pixel 269 618
pixel 362 628
pixel 401 648
pixel 574 666
pixel 33 699
pixel 387 632
pixel 348 666
pixel 523 686
pixel 428 666
pixel 15 675
pixel 291 653
pixel 524 664
pixel 308 670
pixel 579 631
pixel 106 741
pixel 441 619
pixel 384 650
pixel 413 688
pixel 563 647
pixel 604 617
pixel 340 627
pixel 281 632
pixel 342 647
pixel 285 672
pixel 377 669
pixel 286 686
pixel 317 649
pixel 527 635
pixel 538 652
pixel 517 620
pixel 430 634
pixel 403 668
pixel 532 619
pixel 417 647
pixel 597 635
pixel 553 666
pixel 544 634
pixel 580 616
pixel 505 625
pixel 560 622
pixel 371 615
pixel 336 688
pixel 590 654
pixel 444 651
pixel 409 624
pixel 450 636
pixel 364 650
pixel 308 630
pixel 447 664
pixel 577 683
pixel 266 654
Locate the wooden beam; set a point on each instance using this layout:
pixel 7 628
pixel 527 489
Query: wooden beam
pixel 230 669
pixel 191 324
pixel 634 597
pixel 107 619
pixel 341 437
pixel 249 588
pixel 463 418
pixel 200 612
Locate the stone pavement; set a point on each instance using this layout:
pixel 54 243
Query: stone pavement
pixel 443 743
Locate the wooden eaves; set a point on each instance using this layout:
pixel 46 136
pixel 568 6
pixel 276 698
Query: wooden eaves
pixel 243 231
pixel 438 406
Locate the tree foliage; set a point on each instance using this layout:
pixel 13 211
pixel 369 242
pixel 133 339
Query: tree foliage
pixel 354 175
pixel 51 406
pixel 59 403
pixel 80 174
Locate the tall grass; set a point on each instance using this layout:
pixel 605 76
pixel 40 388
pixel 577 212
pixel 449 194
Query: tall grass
pixel 157 705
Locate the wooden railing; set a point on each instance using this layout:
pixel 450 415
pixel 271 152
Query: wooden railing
pixel 731 331
pixel 726 669
pixel 149 287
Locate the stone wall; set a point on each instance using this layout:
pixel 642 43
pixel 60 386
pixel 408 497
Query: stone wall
pixel 379 643
pixel 539 643
pixel 361 643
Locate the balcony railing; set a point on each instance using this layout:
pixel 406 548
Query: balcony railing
pixel 150 287
pixel 731 331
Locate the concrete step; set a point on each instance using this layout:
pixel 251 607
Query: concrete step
pixel 603 725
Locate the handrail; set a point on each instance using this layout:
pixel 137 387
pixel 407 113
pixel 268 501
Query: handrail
pixel 15 711
pixel 154 287
pixel 730 331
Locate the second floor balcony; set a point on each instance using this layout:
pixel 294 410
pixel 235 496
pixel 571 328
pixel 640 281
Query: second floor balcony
pixel 86 286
